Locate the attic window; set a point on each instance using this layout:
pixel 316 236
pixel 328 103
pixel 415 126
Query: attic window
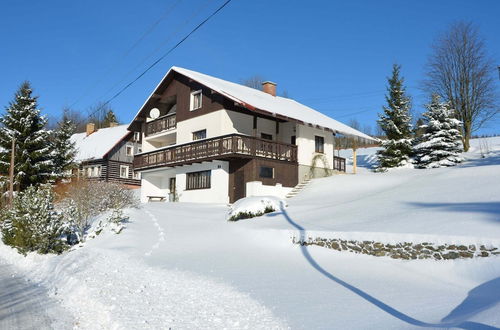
pixel 130 150
pixel 195 100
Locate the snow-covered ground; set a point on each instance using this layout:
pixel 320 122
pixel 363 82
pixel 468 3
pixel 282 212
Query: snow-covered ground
pixel 184 266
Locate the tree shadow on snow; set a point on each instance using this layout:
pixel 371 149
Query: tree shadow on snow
pixel 472 305
pixel 492 159
pixel 491 208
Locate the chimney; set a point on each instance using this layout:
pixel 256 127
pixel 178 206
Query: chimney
pixel 90 128
pixel 113 124
pixel 269 88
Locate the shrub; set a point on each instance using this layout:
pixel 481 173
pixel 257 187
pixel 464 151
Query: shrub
pixel 248 214
pixel 85 200
pixel 32 223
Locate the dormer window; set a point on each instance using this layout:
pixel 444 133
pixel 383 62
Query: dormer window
pixel 195 100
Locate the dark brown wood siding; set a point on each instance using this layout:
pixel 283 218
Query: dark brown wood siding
pixel 284 172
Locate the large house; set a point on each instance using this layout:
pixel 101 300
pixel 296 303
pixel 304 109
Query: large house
pixel 107 154
pixel 205 139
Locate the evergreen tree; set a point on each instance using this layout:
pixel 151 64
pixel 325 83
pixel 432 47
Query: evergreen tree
pixel 109 118
pixel 32 223
pixel 24 123
pixel 63 149
pixel 440 145
pixel 396 123
pixel 419 130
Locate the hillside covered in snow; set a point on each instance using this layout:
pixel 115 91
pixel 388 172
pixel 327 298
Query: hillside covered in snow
pixel 183 266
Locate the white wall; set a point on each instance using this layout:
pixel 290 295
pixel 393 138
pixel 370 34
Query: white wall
pixel 216 123
pixel 256 188
pixel 218 192
pixel 156 183
pixel 305 142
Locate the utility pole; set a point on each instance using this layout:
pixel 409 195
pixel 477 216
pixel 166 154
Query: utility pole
pixel 11 171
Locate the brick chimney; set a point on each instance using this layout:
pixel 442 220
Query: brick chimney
pixel 269 88
pixel 113 124
pixel 90 128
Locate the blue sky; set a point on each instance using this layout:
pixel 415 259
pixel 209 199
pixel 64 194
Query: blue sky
pixel 331 55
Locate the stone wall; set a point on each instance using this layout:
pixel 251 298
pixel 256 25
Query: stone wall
pixel 404 250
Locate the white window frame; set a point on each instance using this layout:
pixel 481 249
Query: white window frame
pixel 192 98
pixel 137 175
pixel 131 148
pixel 127 169
pixel 137 136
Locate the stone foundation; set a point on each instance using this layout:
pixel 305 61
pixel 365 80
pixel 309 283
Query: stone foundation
pixel 404 250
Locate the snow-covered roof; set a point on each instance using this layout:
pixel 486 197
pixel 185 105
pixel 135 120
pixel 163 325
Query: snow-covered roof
pixel 254 99
pixel 99 143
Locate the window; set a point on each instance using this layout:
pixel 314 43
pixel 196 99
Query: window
pixel 96 171
pixel 266 172
pixel 266 136
pixel 293 140
pixel 319 144
pixel 130 150
pixel 195 100
pixel 93 171
pixel 198 180
pixel 198 135
pixel 123 171
pixel 137 136
pixel 137 175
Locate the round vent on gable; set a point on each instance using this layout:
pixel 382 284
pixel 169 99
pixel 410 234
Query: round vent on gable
pixel 154 113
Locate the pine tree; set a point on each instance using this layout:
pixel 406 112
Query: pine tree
pixel 63 150
pixel 396 123
pixel 32 223
pixel 24 123
pixel 440 145
pixel 109 118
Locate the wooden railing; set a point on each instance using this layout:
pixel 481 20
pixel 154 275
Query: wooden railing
pixel 226 146
pixel 160 124
pixel 339 163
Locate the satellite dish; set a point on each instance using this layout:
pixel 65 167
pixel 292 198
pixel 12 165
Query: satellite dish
pixel 154 113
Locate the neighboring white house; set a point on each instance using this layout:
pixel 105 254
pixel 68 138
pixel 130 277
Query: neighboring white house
pixel 209 140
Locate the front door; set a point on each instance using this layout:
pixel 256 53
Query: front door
pixel 239 189
pixel 171 187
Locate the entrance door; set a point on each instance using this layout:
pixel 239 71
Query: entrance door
pixel 239 189
pixel 171 187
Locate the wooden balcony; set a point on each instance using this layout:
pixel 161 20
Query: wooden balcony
pixel 222 147
pixel 339 164
pixel 160 124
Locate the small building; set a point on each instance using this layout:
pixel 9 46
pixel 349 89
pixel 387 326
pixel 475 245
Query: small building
pixel 107 154
pixel 209 140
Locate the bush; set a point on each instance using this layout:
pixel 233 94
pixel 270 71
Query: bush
pixel 85 200
pixel 248 214
pixel 32 223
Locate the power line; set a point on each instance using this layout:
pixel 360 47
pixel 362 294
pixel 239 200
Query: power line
pixel 128 51
pixel 162 57
pixel 124 77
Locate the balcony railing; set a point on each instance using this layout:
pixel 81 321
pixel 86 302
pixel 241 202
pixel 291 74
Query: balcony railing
pixel 160 124
pixel 339 163
pixel 223 147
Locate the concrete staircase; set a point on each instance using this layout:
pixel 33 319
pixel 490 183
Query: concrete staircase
pixel 298 188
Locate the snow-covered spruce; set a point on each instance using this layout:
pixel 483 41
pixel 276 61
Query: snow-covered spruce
pixel 24 123
pixel 32 223
pixel 396 123
pixel 440 145
pixel 63 149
